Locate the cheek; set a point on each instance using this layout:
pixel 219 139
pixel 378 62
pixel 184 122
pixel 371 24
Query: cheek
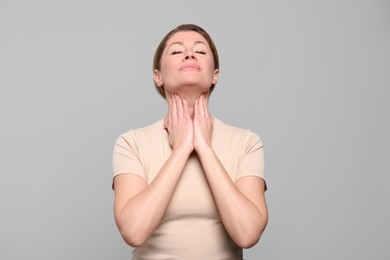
pixel 211 68
pixel 167 65
pixel 164 70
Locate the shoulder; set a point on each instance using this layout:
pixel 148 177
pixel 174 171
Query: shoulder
pixel 142 134
pixel 242 135
pixel 145 131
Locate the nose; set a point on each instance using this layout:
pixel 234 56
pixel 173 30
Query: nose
pixel 189 56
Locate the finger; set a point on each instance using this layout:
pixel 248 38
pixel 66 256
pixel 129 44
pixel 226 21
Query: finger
pixel 170 109
pixel 186 111
pixel 179 105
pixel 203 111
pixel 206 106
pixel 170 105
pixel 174 109
pixel 206 100
pixel 197 108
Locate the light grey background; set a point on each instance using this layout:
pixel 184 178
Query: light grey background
pixel 311 77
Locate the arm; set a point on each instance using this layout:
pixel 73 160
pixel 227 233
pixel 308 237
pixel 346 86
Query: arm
pixel 139 208
pixel 242 204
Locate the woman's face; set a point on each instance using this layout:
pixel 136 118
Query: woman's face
pixel 186 65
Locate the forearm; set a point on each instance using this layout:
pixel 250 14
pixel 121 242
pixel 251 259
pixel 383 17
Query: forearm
pixel 140 215
pixel 242 219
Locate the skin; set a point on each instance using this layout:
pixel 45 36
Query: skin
pixel 186 74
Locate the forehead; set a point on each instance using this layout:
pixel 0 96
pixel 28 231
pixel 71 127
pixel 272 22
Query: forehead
pixel 186 37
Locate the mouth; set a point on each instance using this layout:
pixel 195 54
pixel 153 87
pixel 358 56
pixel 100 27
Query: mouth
pixel 189 67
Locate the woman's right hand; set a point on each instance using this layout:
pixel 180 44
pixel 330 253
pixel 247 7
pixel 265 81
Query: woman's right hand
pixel 140 206
pixel 179 125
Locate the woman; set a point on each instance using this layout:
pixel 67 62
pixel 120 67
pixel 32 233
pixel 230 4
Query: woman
pixel 189 186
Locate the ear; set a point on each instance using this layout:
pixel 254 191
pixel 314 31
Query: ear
pixel 157 78
pixel 215 76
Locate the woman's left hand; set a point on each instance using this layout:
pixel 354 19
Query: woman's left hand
pixel 203 124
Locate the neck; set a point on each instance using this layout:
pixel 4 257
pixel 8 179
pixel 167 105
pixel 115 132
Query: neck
pixel 191 98
pixel 191 104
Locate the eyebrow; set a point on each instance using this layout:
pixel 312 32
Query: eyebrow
pixel 182 43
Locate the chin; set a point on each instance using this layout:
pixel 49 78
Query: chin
pixel 190 88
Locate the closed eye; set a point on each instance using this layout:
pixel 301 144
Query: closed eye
pixel 176 52
pixel 201 52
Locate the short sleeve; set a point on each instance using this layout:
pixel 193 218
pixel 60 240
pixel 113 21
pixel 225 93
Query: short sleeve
pixel 126 156
pixel 252 160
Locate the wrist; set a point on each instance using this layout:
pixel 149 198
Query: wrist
pixel 203 149
pixel 184 150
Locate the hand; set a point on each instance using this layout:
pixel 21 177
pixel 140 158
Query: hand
pixel 179 124
pixel 203 124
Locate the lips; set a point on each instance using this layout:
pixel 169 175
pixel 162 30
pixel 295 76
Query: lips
pixel 190 66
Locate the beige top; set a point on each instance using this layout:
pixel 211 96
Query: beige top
pixel 191 227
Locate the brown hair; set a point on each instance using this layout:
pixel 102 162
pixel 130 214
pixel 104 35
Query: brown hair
pixel 162 45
